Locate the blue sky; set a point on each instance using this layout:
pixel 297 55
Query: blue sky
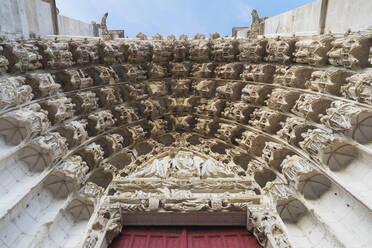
pixel 174 16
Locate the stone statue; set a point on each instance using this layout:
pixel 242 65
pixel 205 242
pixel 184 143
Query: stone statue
pixel 105 33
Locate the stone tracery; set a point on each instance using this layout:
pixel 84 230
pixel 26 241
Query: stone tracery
pixel 179 126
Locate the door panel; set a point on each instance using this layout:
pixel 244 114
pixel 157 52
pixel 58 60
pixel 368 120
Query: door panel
pixel 185 239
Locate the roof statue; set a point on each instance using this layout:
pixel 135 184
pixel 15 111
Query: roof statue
pixel 105 33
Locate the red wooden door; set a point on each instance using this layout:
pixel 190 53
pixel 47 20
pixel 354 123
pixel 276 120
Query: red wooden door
pixel 153 239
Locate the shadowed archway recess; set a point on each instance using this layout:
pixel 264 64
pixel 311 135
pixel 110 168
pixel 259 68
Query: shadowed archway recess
pixel 265 133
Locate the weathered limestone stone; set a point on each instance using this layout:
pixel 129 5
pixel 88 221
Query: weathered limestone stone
pixel 56 55
pixel 181 104
pixel 315 140
pixel 205 70
pixel 157 71
pixel 255 142
pixel 102 75
pixel 53 144
pixel 125 114
pixel 180 70
pixel 151 108
pixel 73 79
pixel 359 88
pixel 135 72
pixel 237 111
pixel 341 116
pixel 162 51
pixel 230 90
pixel 282 99
pixel 59 109
pixel 224 50
pixel 42 84
pixel 274 153
pixel 14 91
pixel 328 81
pixel 313 52
pixel 200 50
pixel 311 106
pixel 100 121
pixel 292 129
pixel 180 87
pixel 350 52
pixel 229 71
pixel 109 96
pixel 84 53
pixel 139 52
pixel 111 143
pixel 92 154
pixel 180 50
pixel 280 51
pixel 111 53
pixel 255 94
pixel 205 88
pixel 212 107
pixel 259 73
pixel 75 168
pixel 75 132
pixel 22 56
pixel 294 76
pixel 3 62
pixel 85 102
pixel 252 50
pixel 157 88
pixel 266 120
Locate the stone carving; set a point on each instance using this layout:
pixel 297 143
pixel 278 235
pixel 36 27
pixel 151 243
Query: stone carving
pixel 266 227
pixel 259 73
pixel 282 99
pixel 313 52
pixel 341 116
pixel 33 118
pixel 266 120
pixel 183 122
pixel 311 106
pixel 329 81
pixel 255 142
pixel 212 107
pixel 135 72
pixel 75 132
pixel 181 87
pixel 141 36
pixel 53 144
pixel 100 121
pixel 162 51
pixel 200 49
pixel 224 50
pixel 292 129
pixel 180 70
pixel 274 153
pixel 84 53
pixel 159 127
pixel 139 52
pixel 105 33
pixel 227 132
pixel 237 111
pixel 157 88
pixel 230 90
pixel 102 75
pixel 59 109
pixel 42 84
pixel 92 154
pixel 349 51
pixel 125 114
pixel 370 56
pixel 137 133
pixel 56 55
pixel 109 96
pixel 14 91
pixel 316 140
pixel 181 104
pixel 111 53
pixel 75 168
pixel 205 70
pixel 204 126
pixel 22 56
pixel 157 71
pixel 229 71
pixel 359 87
pixel 252 50
pixel 255 94
pixel 180 49
pixel 205 88
pixel 151 108
pixel 85 102
pixel 295 169
pixel 73 79
pixel 3 62
pixel 280 51
pixel 295 76
pixel 111 143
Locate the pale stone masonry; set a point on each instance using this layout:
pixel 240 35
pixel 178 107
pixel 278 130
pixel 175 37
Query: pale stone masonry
pixel 97 133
